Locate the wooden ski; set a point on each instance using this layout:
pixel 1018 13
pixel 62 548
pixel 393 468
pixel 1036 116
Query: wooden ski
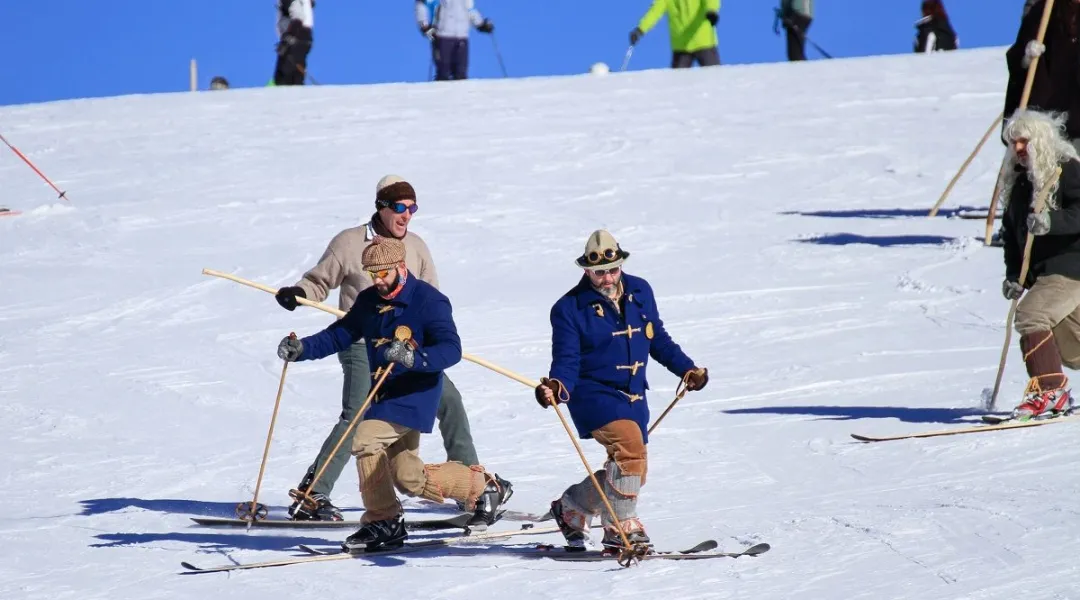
pixel 962 430
pixel 408 547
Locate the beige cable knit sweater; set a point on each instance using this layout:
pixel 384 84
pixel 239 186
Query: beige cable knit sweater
pixel 340 266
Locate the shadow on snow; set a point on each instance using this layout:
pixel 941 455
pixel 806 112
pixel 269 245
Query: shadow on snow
pixel 883 241
pixel 97 506
pixel 849 413
pixel 213 541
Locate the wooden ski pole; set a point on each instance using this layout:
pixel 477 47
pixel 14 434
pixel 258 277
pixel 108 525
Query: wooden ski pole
pixel 1024 97
pixel 989 234
pixel 305 495
pixel 402 333
pixel 628 555
pixel 1047 9
pixel 254 512
pixel 680 391
pixel 963 167
pixel 501 371
pixel 340 313
pixel 1040 202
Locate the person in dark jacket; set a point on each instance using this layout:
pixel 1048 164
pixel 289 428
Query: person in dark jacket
pixel 411 338
pixel 604 331
pixel 1048 314
pixel 1056 87
pixel 934 32
pixel 295 25
pixel 796 15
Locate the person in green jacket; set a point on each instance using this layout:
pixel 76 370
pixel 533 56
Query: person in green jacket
pixel 692 25
pixel 796 16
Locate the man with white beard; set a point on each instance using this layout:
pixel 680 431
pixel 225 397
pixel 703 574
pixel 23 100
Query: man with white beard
pixel 1048 315
pixel 603 332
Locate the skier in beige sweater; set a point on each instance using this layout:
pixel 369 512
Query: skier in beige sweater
pixel 340 267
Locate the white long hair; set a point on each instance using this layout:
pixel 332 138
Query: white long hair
pixel 1047 148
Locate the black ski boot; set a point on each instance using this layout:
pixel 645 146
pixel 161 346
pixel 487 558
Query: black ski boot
pixel 497 492
pixel 316 507
pixel 509 492
pixel 387 534
pixel 576 539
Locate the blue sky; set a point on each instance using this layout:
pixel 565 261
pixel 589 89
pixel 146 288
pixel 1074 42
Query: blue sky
pixel 81 48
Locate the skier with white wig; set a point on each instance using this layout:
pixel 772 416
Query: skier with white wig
pixel 1048 315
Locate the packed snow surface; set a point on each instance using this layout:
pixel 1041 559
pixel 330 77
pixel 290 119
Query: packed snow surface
pixel 779 211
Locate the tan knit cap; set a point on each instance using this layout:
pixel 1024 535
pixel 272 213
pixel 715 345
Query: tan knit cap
pixel 383 253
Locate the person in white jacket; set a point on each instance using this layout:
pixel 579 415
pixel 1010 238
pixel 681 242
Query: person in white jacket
pixel 446 23
pixel 295 25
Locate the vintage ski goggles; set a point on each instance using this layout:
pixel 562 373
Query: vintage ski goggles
pixel 606 255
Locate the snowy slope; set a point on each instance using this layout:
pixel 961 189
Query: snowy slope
pixel 778 210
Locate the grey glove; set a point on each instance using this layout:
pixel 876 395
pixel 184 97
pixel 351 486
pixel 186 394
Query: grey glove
pixel 1011 289
pixel 1039 223
pixel 402 353
pixel 290 349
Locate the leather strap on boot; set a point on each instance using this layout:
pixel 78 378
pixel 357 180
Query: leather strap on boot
pixel 1043 362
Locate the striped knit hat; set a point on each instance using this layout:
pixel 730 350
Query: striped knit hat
pixel 383 253
pixel 391 189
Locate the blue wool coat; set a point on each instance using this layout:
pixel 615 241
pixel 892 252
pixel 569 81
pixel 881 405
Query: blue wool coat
pixel 408 397
pixel 594 350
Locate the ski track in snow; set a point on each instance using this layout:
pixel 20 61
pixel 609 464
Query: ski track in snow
pixel 777 210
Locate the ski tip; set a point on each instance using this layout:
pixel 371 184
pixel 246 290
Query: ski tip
pixel 705 546
pixel 319 551
pixel 862 438
pixel 189 566
pixel 757 549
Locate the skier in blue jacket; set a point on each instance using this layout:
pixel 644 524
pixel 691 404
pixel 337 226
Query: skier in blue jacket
pixel 387 440
pixel 604 331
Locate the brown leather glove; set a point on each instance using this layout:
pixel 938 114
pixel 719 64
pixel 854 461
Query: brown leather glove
pixel 555 386
pixel 696 378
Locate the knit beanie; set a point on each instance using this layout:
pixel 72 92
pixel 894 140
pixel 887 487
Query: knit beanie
pixel 383 253
pixel 391 189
